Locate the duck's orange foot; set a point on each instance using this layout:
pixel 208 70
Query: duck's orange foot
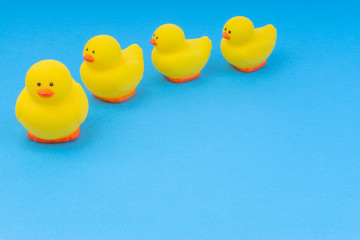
pixel 117 99
pixel 182 80
pixel 252 69
pixel 68 138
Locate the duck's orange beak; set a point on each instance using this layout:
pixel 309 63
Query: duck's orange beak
pixel 153 42
pixel 89 58
pixel 45 93
pixel 226 35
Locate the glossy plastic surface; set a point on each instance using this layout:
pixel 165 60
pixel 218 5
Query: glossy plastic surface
pixel 176 57
pixel 52 105
pixel 109 72
pixel 245 47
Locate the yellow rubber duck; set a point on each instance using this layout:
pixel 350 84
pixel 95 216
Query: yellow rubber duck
pixel 179 59
pixel 110 73
pixel 52 105
pixel 246 48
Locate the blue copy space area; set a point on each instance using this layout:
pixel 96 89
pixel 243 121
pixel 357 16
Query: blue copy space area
pixel 269 155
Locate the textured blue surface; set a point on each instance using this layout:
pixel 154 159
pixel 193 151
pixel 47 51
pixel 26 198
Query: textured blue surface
pixel 270 155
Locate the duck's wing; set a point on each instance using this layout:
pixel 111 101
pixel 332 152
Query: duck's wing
pixel 131 68
pixel 19 101
pixel 193 56
pixel 81 99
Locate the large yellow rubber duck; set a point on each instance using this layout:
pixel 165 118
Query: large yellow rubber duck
pixel 246 48
pixel 52 105
pixel 110 73
pixel 179 59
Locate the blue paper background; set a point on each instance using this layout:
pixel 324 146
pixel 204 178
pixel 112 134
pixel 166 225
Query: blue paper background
pixel 273 154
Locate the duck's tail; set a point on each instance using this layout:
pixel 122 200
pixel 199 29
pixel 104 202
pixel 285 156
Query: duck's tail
pixel 270 30
pixel 134 52
pixel 206 42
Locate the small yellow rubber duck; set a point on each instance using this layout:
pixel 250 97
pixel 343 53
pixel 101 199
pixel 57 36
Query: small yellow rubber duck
pixel 179 59
pixel 52 105
pixel 110 73
pixel 246 48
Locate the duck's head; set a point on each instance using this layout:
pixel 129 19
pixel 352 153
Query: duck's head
pixel 168 37
pixel 238 30
pixel 48 81
pixel 102 51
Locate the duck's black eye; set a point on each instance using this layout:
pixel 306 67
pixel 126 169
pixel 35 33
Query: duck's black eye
pixel 229 32
pixel 39 84
pixel 51 84
pixel 88 49
pixel 93 51
pixel 225 29
pixel 157 37
pixel 154 35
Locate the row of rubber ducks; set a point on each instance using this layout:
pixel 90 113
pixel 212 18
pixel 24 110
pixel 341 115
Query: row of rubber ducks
pixel 52 106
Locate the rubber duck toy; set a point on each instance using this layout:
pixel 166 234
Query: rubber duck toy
pixel 245 47
pixel 52 105
pixel 179 59
pixel 110 73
